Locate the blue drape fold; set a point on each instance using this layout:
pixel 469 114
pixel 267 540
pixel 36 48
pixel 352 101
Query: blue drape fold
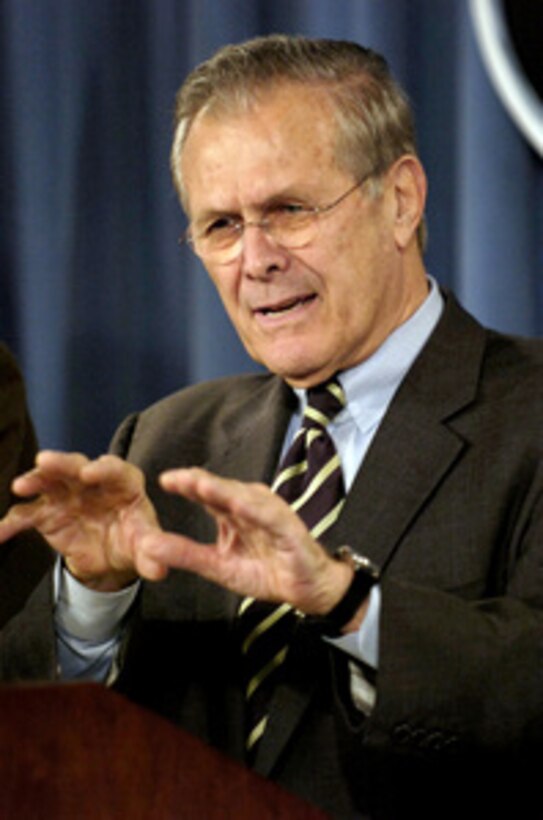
pixel 106 312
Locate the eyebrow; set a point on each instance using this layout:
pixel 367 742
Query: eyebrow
pixel 274 199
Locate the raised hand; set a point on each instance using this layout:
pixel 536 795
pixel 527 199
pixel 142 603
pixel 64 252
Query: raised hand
pixel 92 512
pixel 263 549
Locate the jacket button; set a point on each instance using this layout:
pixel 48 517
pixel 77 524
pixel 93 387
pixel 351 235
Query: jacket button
pixel 401 734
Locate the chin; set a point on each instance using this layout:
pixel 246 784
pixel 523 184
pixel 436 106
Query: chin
pixel 290 364
pixel 304 377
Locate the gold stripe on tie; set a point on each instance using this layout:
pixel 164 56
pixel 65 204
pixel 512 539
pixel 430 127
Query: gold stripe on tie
pixel 245 604
pixel 288 473
pixel 276 661
pixel 311 435
pixel 257 733
pixel 326 522
pixel 316 415
pixel 336 390
pixel 319 479
pixel 265 624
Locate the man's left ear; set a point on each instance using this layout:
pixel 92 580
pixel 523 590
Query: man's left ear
pixel 409 186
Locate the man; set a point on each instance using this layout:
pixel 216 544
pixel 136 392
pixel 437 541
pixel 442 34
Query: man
pixel 296 164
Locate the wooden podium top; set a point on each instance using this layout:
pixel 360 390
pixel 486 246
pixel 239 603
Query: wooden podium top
pixel 80 751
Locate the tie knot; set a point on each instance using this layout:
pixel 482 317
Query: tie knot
pixel 324 402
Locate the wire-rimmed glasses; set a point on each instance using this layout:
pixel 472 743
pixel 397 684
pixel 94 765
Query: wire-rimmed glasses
pixel 291 225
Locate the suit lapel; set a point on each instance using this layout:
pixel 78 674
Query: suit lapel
pixel 252 435
pixel 407 461
pixel 418 442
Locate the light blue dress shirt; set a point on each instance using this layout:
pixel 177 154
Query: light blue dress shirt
pixel 89 623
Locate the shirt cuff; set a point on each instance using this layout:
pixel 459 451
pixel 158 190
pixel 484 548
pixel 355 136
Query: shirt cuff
pixel 88 614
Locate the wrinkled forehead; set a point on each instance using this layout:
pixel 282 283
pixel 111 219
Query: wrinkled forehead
pixel 282 136
pixel 295 111
pixel 242 99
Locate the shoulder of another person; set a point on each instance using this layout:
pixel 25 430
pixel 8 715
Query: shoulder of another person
pixel 9 369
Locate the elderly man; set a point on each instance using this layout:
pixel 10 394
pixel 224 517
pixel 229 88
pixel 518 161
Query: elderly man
pixel 370 624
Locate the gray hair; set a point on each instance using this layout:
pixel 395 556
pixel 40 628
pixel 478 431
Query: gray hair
pixel 373 116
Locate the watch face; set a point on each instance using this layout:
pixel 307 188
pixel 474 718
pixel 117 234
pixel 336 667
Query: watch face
pixel 509 33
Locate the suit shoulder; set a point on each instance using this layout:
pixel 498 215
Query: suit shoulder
pixel 195 413
pixel 198 400
pixel 513 362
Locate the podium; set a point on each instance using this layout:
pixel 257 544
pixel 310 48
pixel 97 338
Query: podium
pixel 82 752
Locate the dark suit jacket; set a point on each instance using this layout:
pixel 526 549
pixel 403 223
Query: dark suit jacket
pixel 448 502
pixel 24 559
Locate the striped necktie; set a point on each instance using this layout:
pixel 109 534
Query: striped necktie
pixel 310 479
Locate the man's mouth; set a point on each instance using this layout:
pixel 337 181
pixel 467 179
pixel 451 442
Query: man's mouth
pixel 285 306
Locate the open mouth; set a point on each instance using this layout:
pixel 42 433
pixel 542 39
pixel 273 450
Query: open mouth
pixel 285 306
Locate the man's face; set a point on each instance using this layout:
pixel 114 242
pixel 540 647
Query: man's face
pixel 305 313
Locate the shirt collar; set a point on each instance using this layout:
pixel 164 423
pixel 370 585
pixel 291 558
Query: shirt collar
pixel 370 386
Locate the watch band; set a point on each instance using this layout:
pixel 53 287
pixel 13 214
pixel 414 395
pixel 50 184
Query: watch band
pixel 366 574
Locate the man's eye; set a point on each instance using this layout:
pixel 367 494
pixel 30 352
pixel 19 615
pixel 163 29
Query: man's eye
pixel 224 224
pixel 290 215
pixel 290 208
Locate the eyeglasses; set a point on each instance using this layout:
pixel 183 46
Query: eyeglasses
pixel 289 224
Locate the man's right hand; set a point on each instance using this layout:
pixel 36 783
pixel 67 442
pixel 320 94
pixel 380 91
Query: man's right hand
pixel 91 512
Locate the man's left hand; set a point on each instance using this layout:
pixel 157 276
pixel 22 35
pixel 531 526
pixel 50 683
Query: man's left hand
pixel 263 549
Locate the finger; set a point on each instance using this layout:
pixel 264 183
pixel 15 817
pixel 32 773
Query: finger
pixel 178 552
pixel 53 469
pixel 63 466
pixel 31 483
pixel 193 483
pixel 253 502
pixel 149 568
pixel 247 506
pixel 115 472
pixel 20 517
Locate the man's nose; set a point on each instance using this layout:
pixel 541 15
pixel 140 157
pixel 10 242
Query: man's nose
pixel 261 255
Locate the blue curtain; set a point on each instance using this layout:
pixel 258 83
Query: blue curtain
pixel 105 311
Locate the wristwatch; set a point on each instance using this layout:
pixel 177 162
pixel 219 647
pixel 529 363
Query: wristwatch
pixel 366 574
